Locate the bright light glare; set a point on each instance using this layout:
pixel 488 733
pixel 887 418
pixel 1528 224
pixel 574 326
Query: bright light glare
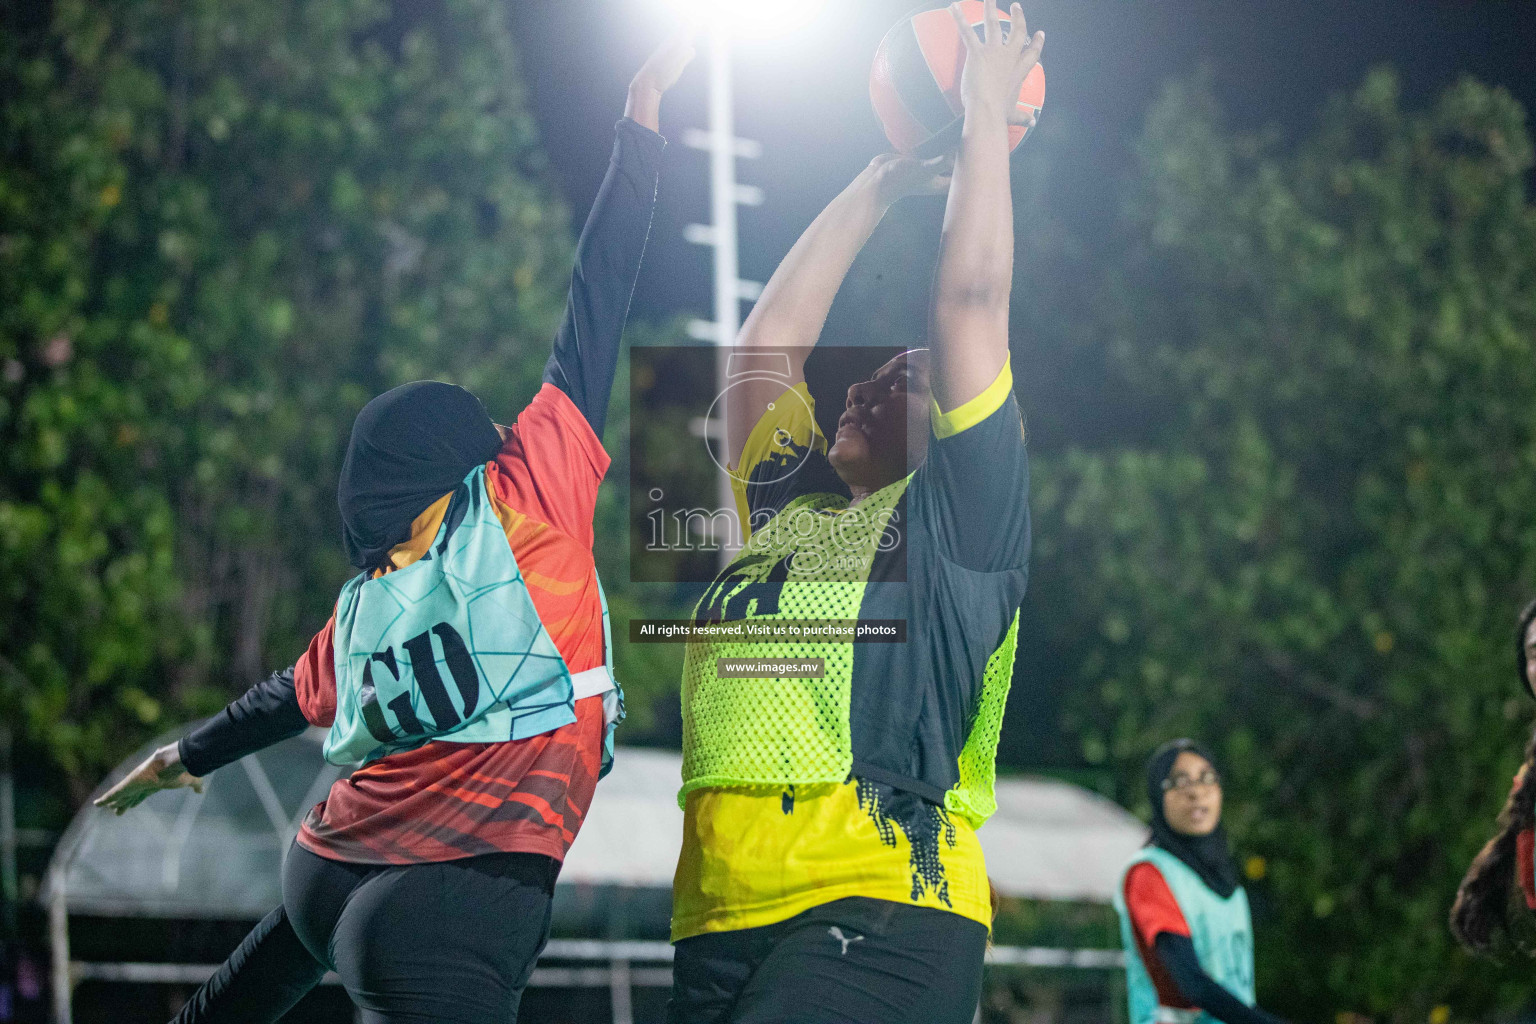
pixel 753 19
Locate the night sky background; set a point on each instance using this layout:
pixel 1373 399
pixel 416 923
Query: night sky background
pixel 804 96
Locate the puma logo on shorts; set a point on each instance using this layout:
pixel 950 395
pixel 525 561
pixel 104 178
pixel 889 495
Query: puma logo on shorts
pixel 846 940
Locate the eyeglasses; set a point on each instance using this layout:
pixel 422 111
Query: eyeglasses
pixel 1183 783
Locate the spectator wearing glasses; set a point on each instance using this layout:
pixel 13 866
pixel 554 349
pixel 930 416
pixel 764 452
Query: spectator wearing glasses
pixel 1183 916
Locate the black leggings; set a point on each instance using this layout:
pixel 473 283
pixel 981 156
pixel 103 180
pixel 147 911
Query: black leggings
pixel 263 978
pixel 852 961
pixel 451 941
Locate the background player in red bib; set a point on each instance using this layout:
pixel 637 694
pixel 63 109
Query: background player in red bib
pixel 424 880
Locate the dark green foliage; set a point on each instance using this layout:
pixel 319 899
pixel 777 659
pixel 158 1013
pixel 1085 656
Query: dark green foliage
pixel 1313 558
pixel 224 225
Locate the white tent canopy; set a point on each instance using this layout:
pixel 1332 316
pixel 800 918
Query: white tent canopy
pixel 180 854
pixel 1052 840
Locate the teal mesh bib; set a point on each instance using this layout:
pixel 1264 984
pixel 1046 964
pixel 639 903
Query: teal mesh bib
pixel 1221 929
pixel 451 648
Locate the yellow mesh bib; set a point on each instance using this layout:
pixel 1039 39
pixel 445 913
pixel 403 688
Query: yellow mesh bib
pixel 810 562
pixel 973 797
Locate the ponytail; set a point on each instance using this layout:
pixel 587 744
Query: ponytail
pixel 1480 917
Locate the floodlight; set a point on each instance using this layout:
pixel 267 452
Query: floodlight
pixel 755 19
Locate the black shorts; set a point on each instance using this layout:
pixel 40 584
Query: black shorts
pixel 450 941
pixel 852 961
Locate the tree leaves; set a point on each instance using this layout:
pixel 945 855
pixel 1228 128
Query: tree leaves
pixel 225 225
pixel 1315 559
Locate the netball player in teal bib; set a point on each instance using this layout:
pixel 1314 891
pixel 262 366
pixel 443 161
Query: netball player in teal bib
pixel 1494 906
pixel 1183 916
pixel 466 672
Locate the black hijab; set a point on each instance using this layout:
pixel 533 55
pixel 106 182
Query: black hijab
pixel 1208 856
pixel 410 446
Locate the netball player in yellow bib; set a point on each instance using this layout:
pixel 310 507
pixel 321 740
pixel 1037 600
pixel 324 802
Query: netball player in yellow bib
pixel 830 868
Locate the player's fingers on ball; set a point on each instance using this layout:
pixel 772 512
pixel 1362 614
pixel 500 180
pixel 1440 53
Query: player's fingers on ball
pixel 1017 32
pixel 967 37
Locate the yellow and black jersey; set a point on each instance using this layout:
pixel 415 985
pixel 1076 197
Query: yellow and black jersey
pixel 870 780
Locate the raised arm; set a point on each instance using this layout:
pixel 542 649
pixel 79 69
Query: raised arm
pixel 969 320
pixel 789 316
pixel 586 349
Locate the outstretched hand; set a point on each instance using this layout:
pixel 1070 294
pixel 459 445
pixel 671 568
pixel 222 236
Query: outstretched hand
pixel 659 73
pixel 995 67
pixel 161 770
pixel 666 63
pixel 897 177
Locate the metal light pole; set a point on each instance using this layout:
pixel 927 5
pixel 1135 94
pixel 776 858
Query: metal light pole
pixel 725 194
pixel 722 182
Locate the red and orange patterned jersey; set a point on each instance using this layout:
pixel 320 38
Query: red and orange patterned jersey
pixel 443 800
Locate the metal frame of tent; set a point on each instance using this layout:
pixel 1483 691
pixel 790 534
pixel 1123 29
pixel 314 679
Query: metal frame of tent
pixel 615 967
